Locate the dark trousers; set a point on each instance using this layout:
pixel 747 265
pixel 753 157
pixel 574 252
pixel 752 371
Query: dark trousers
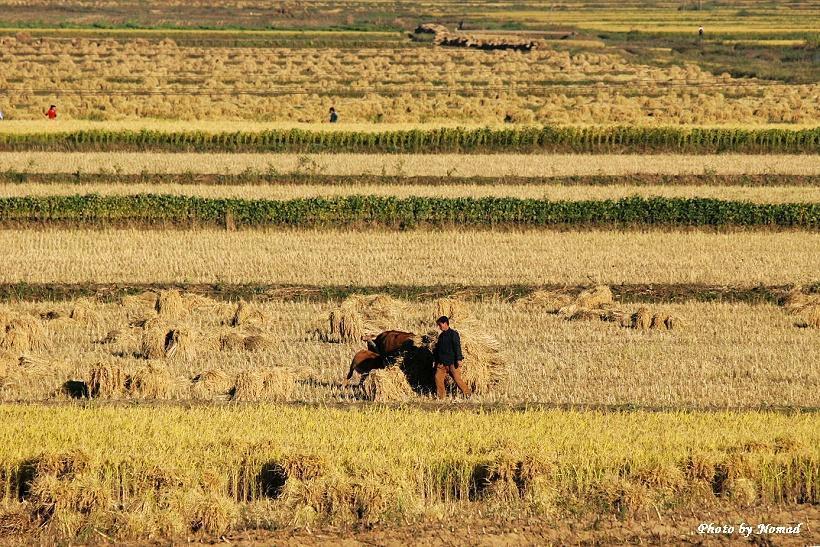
pixel 441 375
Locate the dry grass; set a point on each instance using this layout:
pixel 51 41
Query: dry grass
pixel 769 194
pixel 344 258
pixel 743 348
pixel 440 165
pixel 388 385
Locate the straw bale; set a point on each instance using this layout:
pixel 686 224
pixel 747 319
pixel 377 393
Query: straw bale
pixel 152 381
pixel 107 380
pixel 271 384
pixel 388 385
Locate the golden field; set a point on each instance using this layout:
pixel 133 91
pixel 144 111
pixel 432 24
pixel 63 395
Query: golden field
pixel 418 257
pixel 768 194
pixel 132 413
pixel 110 79
pixel 438 165
pixel 273 467
pixel 716 356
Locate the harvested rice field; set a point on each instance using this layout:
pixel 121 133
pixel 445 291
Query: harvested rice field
pixel 227 245
pixel 767 194
pixel 371 258
pixel 757 354
pixel 397 165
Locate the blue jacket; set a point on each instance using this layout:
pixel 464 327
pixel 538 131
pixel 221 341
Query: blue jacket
pixel 448 348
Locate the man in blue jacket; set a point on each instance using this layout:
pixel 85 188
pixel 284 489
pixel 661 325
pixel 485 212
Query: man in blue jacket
pixel 447 358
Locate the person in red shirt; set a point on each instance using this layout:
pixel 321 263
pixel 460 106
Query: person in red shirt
pixel 51 114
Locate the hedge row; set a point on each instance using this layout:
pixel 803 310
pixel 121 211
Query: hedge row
pixel 404 213
pixel 517 139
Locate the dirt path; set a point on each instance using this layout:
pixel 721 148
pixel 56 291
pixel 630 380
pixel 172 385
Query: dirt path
pixel 671 529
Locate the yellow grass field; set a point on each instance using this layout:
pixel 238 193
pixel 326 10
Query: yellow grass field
pixel 111 79
pixel 170 383
pixel 717 355
pixel 769 194
pixel 233 468
pixel 374 258
pixel 441 165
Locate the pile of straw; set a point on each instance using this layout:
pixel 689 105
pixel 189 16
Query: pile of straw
pixel 152 381
pixel 549 301
pixel 388 385
pixel 210 383
pixel 269 384
pixel 247 314
pixel 234 341
pixel 170 304
pixel 590 304
pixel 806 306
pixel 83 311
pixel 455 309
pixel 22 333
pixel 107 380
pixel 360 315
pixel 162 341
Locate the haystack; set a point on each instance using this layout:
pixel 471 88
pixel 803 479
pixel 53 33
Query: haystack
pixel 22 333
pixel 107 380
pixel 152 381
pixel 233 341
pixel 209 383
pixel 642 319
pixel 271 384
pixel 170 304
pixel 246 314
pixel 549 301
pixel 595 298
pixel 591 304
pixel 83 311
pixel 360 315
pixel 387 385
pixel 162 341
pixel 455 309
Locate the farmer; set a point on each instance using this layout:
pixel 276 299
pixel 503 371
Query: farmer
pixel 51 113
pixel 447 357
pixel 334 117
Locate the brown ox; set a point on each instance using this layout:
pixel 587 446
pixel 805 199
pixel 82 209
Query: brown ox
pixel 390 342
pixel 364 362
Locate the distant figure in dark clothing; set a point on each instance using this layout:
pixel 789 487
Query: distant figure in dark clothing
pixel 447 358
pixel 334 117
pixel 51 113
pixel 700 32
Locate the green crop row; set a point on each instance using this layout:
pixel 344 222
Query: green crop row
pixel 518 139
pixel 404 213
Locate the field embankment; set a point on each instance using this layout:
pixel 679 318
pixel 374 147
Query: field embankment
pixel 223 472
pixel 24 182
pixel 404 213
